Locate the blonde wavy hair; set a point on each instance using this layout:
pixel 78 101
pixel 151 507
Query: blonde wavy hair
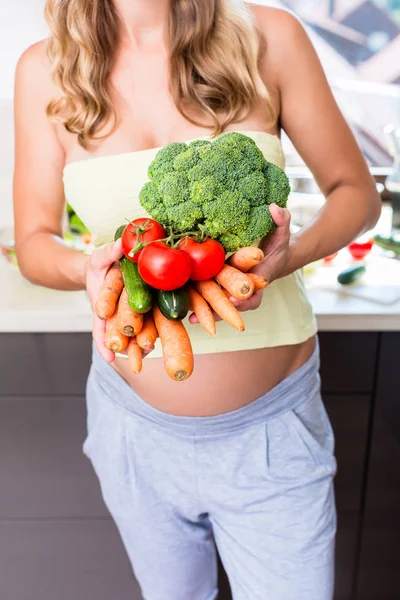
pixel 213 56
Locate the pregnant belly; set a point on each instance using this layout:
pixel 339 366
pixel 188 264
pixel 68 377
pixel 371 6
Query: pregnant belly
pixel 220 382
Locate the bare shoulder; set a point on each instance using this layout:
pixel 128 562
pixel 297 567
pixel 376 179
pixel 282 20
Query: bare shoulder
pixel 276 23
pixel 283 33
pixel 285 40
pixel 34 69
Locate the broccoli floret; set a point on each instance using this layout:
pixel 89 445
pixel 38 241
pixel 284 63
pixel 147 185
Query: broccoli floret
pixel 184 216
pixel 225 165
pixel 151 201
pixel 197 173
pixel 254 157
pixel 230 242
pixel 174 188
pixel 254 188
pixel 278 185
pixel 259 225
pixel 205 190
pixel 234 139
pixel 229 212
pixel 186 160
pixel 164 160
pixel 221 187
pixel 199 144
pixel 247 147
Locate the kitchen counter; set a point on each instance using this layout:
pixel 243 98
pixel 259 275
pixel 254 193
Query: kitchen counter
pixel 28 308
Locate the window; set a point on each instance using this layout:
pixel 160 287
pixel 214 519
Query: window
pixel 358 42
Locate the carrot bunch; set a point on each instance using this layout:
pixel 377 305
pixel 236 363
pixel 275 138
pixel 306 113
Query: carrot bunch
pixel 126 330
pixel 134 333
pixel 233 280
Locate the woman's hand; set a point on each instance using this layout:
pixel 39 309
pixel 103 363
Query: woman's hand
pixel 95 271
pixel 276 258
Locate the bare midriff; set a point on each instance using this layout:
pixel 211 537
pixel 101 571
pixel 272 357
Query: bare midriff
pixel 220 382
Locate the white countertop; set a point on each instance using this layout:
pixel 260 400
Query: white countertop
pixel 27 308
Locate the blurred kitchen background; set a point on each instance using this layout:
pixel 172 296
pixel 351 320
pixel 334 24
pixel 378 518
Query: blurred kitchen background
pixel 56 538
pixel 358 42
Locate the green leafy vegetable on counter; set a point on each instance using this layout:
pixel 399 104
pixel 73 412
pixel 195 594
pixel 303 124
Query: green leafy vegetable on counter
pixel 388 243
pixel 75 223
pixel 220 188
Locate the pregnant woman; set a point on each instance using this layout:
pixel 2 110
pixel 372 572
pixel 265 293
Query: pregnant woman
pixel 240 456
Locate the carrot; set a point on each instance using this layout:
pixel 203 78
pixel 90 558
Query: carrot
pixel 202 311
pixel 135 356
pixel 128 321
pixel 109 293
pixel 220 303
pixel 177 349
pixel 146 338
pixel 238 284
pixel 114 340
pixel 246 258
pixel 260 282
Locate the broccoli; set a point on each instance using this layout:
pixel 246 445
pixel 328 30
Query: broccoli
pixel 259 222
pixel 186 160
pixel 184 216
pixel 205 190
pixel 222 188
pixel 199 144
pixel 230 242
pixel 249 150
pixel 164 160
pixel 174 188
pixel 229 213
pixel 152 202
pixel 254 188
pixel 278 185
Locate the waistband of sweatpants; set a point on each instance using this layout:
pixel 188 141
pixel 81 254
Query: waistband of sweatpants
pixel 290 393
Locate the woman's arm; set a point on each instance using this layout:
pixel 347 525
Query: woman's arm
pixel 39 201
pixel 312 120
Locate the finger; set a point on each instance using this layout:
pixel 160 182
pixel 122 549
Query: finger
pixel 235 301
pixel 251 304
pixel 193 318
pixel 281 216
pixel 104 257
pixel 281 235
pixel 266 270
pixel 146 352
pixel 99 329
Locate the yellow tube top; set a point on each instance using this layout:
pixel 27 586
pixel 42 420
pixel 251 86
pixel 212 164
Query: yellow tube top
pixel 104 192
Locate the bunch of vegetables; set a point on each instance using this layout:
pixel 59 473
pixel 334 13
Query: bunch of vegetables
pixel 206 200
pixel 157 282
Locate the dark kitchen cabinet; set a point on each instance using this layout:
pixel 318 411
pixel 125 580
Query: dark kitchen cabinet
pixel 379 572
pixel 55 529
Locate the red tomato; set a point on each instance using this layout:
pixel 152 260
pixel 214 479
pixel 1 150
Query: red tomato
pixel 147 230
pixel 207 257
pixel 359 250
pixel 164 268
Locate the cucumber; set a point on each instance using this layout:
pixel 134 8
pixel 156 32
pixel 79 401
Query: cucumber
pixel 139 293
pixel 388 243
pixel 351 275
pixel 174 305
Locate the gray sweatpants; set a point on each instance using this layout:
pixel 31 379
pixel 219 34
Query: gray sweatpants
pixel 256 482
